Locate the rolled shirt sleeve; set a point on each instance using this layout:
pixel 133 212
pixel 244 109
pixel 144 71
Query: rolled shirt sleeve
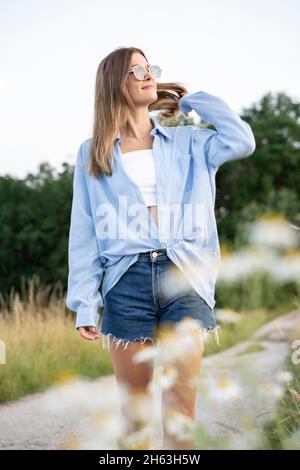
pixel 233 138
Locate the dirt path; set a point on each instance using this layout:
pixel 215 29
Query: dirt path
pixel 236 385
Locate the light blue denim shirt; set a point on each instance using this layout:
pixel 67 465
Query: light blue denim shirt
pixel 111 224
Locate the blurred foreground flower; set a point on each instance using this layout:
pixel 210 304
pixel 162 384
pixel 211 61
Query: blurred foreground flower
pixel 284 376
pixel 175 341
pixel 97 431
pixel 227 315
pixel 70 395
pixel 273 249
pixel 238 266
pixel 273 388
pixel 285 268
pixel 179 425
pixel 225 388
pixel 164 379
pixel 176 282
pixel 136 440
pixel 244 262
pixel 220 388
pixel 136 402
pixel 273 230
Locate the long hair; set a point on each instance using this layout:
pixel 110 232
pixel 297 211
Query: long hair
pixel 113 106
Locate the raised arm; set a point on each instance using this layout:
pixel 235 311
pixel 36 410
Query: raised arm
pixel 85 267
pixel 233 139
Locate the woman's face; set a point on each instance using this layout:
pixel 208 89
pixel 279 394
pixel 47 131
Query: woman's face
pixel 140 95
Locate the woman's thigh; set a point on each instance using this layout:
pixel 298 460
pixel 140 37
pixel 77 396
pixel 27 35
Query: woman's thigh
pixel 131 373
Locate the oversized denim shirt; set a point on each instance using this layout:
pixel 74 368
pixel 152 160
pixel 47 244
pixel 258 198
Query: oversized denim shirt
pixel 186 160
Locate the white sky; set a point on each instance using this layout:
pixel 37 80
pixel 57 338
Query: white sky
pixel 50 51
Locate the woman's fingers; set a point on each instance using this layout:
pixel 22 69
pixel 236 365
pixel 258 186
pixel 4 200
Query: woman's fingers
pixel 89 332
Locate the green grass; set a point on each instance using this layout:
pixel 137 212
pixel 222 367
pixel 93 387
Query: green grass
pixel 254 347
pixel 280 431
pixel 251 320
pixel 283 431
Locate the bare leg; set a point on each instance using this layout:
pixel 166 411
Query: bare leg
pixel 182 397
pixel 132 380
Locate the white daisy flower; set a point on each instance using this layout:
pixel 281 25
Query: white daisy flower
pixel 165 379
pixel 273 388
pixel 179 425
pixel 224 388
pixel 273 230
pixel 227 315
pixel 284 376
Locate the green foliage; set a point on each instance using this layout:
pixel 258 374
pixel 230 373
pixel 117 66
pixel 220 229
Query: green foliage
pixel 34 225
pixel 268 180
pixel 257 291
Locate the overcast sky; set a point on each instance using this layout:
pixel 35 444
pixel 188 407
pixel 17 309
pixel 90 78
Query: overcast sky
pixel 50 51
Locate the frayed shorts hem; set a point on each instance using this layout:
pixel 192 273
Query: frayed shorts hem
pixel 109 339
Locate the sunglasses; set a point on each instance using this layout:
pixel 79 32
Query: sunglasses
pixel 140 71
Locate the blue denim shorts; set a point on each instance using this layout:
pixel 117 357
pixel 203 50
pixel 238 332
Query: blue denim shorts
pixel 137 305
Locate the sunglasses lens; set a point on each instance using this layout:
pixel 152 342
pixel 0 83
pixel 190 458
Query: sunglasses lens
pixel 140 72
pixel 155 70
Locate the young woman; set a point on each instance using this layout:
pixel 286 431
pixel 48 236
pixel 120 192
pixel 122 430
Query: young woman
pixel 143 221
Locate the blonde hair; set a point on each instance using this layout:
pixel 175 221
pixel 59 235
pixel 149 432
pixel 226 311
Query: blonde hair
pixel 113 106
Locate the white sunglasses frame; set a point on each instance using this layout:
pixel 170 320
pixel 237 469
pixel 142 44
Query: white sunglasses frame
pixel 133 70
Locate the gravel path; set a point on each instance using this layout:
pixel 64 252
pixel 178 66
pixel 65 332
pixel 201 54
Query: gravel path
pixel 238 389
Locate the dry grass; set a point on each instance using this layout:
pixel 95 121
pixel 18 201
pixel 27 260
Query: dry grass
pixel 42 345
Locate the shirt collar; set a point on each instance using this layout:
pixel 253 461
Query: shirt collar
pixel 157 128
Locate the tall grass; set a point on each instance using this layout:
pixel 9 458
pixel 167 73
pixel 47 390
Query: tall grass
pixel 283 431
pixel 42 345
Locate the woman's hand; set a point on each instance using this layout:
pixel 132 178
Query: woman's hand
pixel 89 332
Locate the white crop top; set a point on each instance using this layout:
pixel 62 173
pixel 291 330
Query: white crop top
pixel 139 166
